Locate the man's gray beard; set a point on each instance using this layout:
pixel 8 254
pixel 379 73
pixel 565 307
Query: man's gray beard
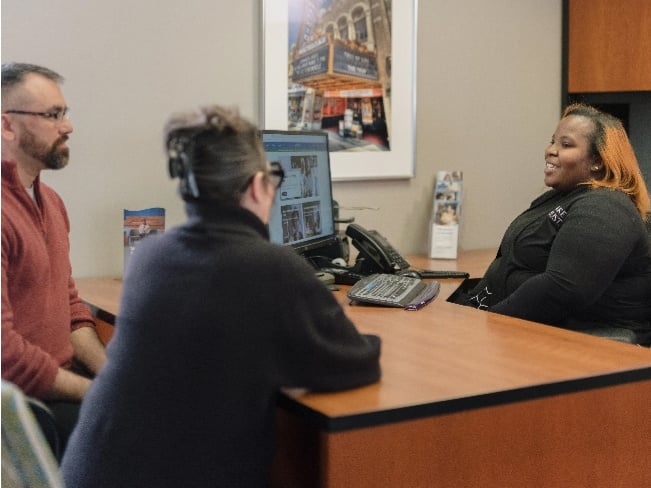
pixel 53 157
pixel 57 158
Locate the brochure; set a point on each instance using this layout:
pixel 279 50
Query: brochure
pixel 446 212
pixel 137 225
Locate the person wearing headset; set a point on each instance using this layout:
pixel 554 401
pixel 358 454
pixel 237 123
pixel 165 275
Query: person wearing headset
pixel 214 320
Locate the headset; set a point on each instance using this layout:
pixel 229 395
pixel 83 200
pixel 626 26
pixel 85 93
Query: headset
pixel 179 164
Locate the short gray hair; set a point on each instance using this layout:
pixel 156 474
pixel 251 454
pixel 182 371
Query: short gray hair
pixel 214 151
pixel 13 74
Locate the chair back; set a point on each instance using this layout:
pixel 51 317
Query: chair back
pixel 27 460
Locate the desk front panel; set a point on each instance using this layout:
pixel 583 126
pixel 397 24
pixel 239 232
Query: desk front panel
pixel 598 437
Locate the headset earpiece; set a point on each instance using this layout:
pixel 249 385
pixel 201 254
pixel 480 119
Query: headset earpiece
pixel 180 166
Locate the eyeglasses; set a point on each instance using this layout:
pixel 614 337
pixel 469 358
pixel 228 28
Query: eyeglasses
pixel 56 116
pixel 276 175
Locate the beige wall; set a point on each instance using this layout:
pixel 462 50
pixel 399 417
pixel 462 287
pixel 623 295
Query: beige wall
pixel 488 98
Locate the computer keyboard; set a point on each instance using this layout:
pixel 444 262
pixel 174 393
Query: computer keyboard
pixel 394 291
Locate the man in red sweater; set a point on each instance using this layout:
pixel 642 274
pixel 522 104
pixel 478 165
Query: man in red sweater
pixel 50 347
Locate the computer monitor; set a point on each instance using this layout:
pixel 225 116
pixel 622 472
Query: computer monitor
pixel 302 215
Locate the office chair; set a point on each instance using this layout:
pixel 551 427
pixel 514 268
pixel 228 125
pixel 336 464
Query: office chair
pixel 618 333
pixel 615 333
pixel 45 420
pixel 27 459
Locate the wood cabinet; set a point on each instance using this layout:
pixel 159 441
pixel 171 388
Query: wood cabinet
pixel 608 45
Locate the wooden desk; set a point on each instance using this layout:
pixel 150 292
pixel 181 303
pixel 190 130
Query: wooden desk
pixel 467 398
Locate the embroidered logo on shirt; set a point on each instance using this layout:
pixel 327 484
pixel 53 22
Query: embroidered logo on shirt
pixel 481 298
pixel 557 216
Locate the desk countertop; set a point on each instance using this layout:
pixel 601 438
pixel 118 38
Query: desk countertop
pixel 446 358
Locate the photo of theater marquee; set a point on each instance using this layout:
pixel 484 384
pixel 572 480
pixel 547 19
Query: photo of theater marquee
pixel 339 71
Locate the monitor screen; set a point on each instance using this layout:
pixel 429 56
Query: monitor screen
pixel 302 215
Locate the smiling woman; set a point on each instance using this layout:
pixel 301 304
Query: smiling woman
pixel 568 159
pixel 579 257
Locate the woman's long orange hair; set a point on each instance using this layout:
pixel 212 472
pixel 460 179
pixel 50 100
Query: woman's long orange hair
pixel 610 146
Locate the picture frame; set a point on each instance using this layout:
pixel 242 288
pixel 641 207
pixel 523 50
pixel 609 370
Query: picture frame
pixel 393 90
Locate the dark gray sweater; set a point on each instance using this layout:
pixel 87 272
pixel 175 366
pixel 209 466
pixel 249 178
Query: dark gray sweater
pixel 213 321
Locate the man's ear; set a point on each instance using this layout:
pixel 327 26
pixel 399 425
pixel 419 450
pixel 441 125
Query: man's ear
pixel 258 187
pixel 253 198
pixel 8 133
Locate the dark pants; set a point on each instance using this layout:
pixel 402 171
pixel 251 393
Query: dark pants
pixel 56 420
pixel 58 423
pixel 65 418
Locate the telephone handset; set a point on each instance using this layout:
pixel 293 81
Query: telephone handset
pixel 379 256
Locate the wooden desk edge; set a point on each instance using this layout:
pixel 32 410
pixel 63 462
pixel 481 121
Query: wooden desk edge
pixel 458 405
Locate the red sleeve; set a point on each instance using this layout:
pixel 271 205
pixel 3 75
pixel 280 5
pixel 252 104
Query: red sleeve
pixel 24 364
pixel 80 315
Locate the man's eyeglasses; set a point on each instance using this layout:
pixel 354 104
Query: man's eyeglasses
pixel 276 176
pixel 56 115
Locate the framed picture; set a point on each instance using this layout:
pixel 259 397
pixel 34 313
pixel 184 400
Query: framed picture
pixel 346 67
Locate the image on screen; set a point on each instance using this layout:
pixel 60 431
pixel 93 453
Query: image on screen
pixel 302 213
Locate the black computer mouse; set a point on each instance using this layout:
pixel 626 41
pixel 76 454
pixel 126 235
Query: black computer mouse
pixel 411 273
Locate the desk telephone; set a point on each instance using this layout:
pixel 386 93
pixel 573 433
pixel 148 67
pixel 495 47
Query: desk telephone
pixel 379 256
pixel 376 255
